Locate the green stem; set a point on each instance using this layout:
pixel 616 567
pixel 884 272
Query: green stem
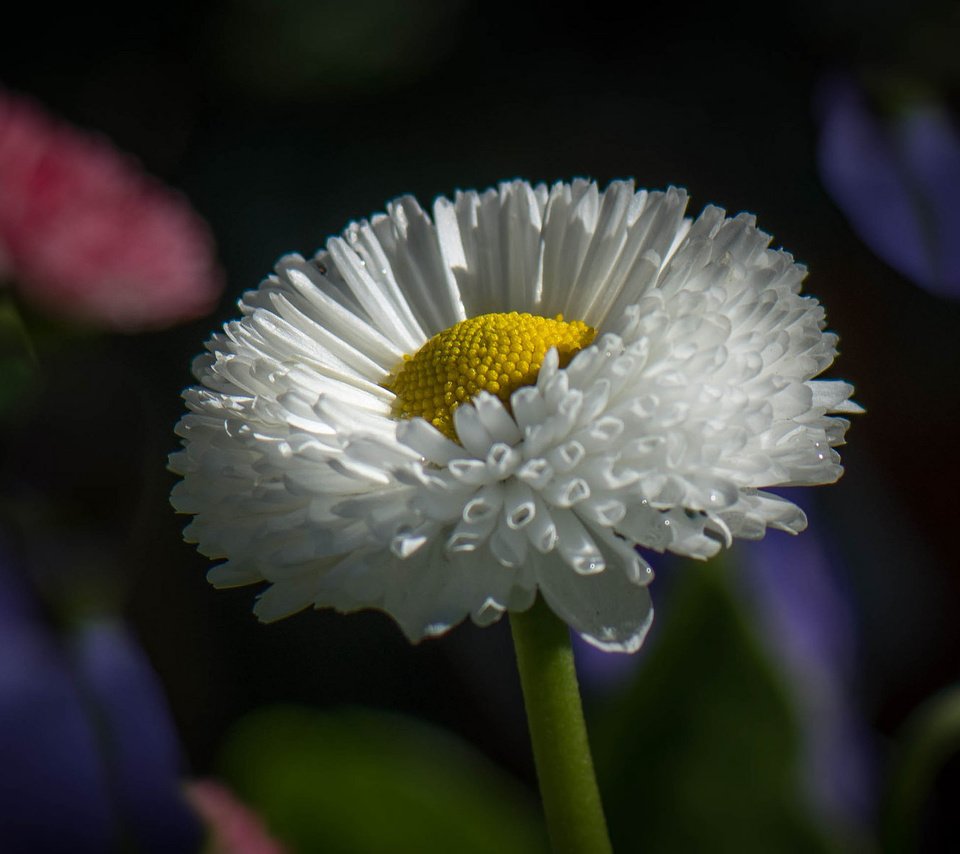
pixel 568 786
pixel 929 738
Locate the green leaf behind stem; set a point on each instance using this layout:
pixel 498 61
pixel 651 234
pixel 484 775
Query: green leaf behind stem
pixel 701 753
pixel 357 780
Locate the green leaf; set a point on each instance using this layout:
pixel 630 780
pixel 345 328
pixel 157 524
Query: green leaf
pixel 19 375
pixel 356 780
pixel 930 737
pixel 701 753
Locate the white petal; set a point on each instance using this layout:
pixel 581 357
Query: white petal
pixel 605 609
pixel 286 597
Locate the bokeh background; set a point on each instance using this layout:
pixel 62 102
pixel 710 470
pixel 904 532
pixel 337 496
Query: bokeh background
pixel 767 711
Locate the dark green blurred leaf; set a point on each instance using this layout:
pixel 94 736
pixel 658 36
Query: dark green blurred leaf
pixel 19 375
pixel 19 379
pixel 701 754
pixel 929 738
pixel 356 780
pixel 328 48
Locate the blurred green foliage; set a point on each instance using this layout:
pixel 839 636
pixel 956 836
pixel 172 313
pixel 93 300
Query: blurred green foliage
pixel 310 48
pixel 929 738
pixel 358 780
pixel 18 367
pixel 701 751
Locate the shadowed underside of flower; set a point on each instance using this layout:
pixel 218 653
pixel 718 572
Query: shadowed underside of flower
pixel 689 390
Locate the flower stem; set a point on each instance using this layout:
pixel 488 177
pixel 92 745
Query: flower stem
pixel 568 786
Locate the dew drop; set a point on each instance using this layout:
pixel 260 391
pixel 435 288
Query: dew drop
pixel 588 564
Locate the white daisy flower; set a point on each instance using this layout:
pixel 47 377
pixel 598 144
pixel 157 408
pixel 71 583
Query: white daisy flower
pixel 438 417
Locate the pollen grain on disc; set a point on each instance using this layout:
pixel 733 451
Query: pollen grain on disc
pixel 498 353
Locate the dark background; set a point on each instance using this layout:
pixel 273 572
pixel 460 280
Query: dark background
pixel 282 122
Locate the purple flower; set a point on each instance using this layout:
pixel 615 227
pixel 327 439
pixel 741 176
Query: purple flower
pixel 897 180
pixel 600 672
pixel 90 758
pixel 807 623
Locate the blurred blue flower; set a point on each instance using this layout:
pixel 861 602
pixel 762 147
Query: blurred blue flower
pixel 90 758
pixel 808 623
pixel 600 672
pixel 897 180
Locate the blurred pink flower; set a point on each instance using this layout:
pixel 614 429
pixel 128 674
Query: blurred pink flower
pixel 87 235
pixel 234 827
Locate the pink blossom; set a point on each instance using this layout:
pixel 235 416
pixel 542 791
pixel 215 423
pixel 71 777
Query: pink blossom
pixel 234 827
pixel 87 235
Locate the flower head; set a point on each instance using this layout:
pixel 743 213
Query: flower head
pixel 588 372
pixel 86 235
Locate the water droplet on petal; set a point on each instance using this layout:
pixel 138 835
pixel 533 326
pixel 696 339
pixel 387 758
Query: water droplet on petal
pixel 588 564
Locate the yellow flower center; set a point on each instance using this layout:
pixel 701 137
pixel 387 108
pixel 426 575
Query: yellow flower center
pixel 497 353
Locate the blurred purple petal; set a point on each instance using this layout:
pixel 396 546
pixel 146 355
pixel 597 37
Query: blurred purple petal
pixel 90 761
pixel 52 783
pixel 808 623
pixel 600 672
pixel 931 145
pixel 897 182
pixel 142 747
